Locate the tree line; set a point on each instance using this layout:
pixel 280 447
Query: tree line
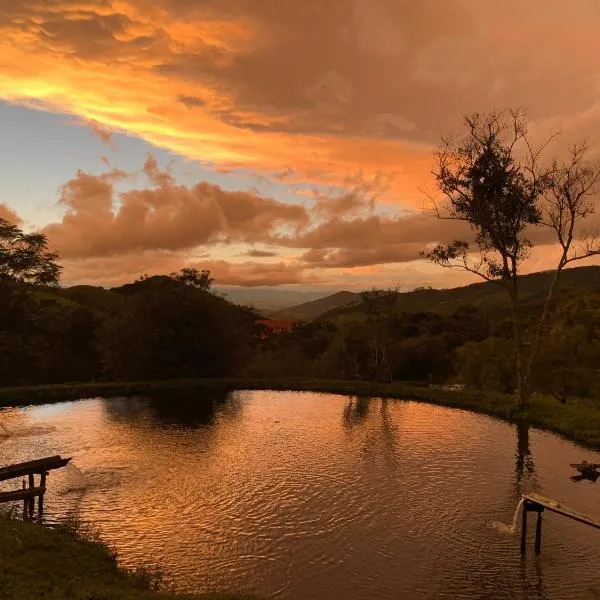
pixel 159 327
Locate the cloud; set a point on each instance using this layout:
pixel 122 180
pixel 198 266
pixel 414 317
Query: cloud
pixel 100 222
pixel 234 82
pixel 104 135
pixel 191 101
pixel 375 239
pixel 260 254
pixel 254 274
pixel 117 270
pixel 8 214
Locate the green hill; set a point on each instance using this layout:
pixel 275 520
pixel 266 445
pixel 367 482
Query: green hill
pixel 488 297
pixel 96 298
pixel 308 311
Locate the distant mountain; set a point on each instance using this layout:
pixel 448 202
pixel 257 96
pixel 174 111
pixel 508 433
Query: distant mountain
pixel 487 296
pixel 268 299
pixel 314 309
pixel 265 300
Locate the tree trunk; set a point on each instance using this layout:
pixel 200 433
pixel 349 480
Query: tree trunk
pixel 522 379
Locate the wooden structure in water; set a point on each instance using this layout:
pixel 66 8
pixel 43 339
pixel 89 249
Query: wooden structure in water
pixel 586 470
pixel 28 493
pixel 536 503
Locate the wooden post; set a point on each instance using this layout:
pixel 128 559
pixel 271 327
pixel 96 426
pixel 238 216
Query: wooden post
pixel 24 504
pixel 31 498
pixel 524 528
pixel 538 531
pixel 41 496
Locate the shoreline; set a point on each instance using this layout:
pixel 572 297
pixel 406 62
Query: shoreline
pixel 66 562
pixel 578 421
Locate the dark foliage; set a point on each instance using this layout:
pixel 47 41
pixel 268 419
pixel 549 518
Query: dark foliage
pixel 161 327
pixel 24 257
pixel 170 329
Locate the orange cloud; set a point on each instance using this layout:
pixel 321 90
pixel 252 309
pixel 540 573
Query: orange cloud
pixel 162 216
pixel 124 268
pixel 303 91
pixel 8 214
pixel 111 237
pixel 235 81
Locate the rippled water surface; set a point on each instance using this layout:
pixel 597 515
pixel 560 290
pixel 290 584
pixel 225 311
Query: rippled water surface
pixel 311 496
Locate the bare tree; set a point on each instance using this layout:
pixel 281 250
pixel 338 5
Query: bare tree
pixel 493 179
pixel 569 201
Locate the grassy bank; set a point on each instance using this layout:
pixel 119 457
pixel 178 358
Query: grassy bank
pixel 578 421
pixel 37 562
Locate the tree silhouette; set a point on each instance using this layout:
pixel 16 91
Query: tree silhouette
pixel 24 257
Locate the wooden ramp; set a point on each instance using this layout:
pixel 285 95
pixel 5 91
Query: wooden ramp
pixel 36 467
pixel 535 503
pixel 561 509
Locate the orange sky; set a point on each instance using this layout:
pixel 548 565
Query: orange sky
pixel 323 93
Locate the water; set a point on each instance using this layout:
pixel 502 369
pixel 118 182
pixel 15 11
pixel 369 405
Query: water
pixel 305 496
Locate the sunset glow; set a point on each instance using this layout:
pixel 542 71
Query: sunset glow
pixel 250 137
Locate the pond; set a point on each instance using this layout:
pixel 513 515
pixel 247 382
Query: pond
pixel 306 496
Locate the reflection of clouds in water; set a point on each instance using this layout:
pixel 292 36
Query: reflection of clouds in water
pixel 50 410
pixel 26 431
pixel 16 423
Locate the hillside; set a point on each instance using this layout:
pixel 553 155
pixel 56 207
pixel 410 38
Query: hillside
pixel 488 297
pixel 96 298
pixel 309 311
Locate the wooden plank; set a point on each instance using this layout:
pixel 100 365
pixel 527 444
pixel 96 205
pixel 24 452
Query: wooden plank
pixel 538 533
pixel 31 498
pixel 41 496
pixel 23 494
pixel 561 509
pixel 523 530
pixel 36 467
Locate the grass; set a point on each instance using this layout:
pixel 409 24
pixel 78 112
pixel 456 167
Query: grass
pixel 65 563
pixel 578 421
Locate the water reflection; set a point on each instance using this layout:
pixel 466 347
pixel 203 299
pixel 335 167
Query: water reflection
pixel 586 476
pixel 524 465
pixel 533 581
pixel 301 496
pixel 182 410
pixel 356 411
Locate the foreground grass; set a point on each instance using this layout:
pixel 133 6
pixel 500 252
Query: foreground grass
pixel 55 564
pixel 578 421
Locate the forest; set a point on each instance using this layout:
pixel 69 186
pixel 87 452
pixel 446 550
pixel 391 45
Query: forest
pixel 177 326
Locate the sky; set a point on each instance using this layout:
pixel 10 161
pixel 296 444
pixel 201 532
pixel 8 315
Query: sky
pixel 275 143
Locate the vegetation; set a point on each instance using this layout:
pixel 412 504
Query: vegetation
pixel 174 327
pixel 38 562
pixel 493 180
pixel 25 257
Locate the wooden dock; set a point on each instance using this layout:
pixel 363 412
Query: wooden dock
pixel 28 493
pixel 536 503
